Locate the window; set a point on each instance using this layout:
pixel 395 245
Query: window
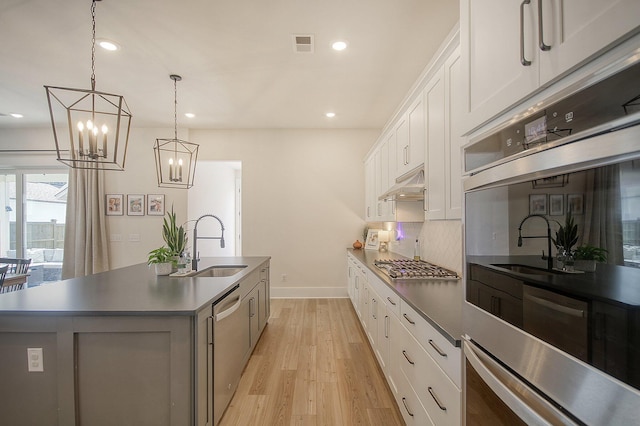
pixel 630 198
pixel 32 225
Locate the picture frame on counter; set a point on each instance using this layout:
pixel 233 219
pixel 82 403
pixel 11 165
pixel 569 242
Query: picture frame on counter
pixel 114 205
pixel 575 204
pixel 155 204
pixel 373 242
pixel 538 204
pixel 556 204
pixel 135 204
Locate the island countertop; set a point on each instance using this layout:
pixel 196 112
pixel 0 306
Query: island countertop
pixel 132 290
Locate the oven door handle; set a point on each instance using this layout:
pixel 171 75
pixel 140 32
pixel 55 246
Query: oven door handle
pixel 518 396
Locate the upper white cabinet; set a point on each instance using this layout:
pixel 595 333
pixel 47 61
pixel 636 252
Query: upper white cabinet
pixel 410 138
pixel 511 49
pixel 444 100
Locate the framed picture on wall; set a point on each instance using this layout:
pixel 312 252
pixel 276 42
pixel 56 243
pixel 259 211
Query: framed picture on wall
pixel 114 205
pixel 155 204
pixel 556 204
pixel 135 205
pixel 538 204
pixel 575 203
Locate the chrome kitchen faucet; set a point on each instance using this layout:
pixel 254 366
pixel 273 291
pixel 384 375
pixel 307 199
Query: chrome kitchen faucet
pixel 548 258
pixel 196 255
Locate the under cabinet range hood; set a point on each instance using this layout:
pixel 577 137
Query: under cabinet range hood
pixel 409 187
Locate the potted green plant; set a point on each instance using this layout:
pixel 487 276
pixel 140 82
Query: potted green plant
pixel 586 257
pixel 174 236
pixel 161 258
pixel 566 238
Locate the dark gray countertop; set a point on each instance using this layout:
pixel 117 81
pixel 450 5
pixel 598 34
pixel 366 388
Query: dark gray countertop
pixel 133 290
pixel 609 283
pixel 437 301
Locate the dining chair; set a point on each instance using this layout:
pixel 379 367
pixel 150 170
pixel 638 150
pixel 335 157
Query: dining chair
pixel 16 266
pixel 3 273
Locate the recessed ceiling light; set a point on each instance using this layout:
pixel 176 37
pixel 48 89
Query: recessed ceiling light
pixel 339 45
pixel 16 115
pixel 189 114
pixel 330 114
pixel 108 44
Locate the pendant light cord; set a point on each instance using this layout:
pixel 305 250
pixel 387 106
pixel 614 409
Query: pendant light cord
pixel 175 108
pixel 93 46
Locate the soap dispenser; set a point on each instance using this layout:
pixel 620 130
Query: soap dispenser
pixel 416 251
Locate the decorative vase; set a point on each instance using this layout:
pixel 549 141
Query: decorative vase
pixel 163 268
pixel 357 244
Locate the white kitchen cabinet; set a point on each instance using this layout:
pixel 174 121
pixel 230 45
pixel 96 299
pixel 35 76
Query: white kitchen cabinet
pixel 370 196
pixel 443 102
pixel 410 138
pixel 501 46
pixel 373 315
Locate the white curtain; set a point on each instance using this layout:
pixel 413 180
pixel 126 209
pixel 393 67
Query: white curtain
pixel 86 249
pixel 603 212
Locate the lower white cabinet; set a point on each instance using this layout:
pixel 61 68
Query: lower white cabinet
pixel 423 368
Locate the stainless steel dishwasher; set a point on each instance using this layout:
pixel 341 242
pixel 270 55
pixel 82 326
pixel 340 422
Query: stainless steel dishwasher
pixel 230 340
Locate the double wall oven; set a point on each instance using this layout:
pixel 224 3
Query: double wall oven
pixel 547 339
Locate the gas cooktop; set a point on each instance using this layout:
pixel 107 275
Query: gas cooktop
pixel 414 270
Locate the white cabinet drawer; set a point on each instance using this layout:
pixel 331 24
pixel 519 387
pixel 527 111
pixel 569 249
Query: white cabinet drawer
pixel 387 295
pixel 409 404
pixel 437 393
pixel 447 356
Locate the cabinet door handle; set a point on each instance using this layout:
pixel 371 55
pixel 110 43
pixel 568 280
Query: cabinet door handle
pixel 424 200
pixel 252 302
pixel 386 326
pixel 406 148
pixel 408 319
pixel 523 60
pixel 391 301
pixel 435 398
pixel 434 346
pixel 404 402
pixel 408 359
pixel 210 330
pixel 543 46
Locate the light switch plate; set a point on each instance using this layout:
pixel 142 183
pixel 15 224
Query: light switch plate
pixel 35 360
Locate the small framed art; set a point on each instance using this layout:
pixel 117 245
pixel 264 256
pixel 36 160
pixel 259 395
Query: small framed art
pixel 538 204
pixel 135 205
pixel 373 242
pixel 155 204
pixel 575 203
pixel 114 206
pixel 556 204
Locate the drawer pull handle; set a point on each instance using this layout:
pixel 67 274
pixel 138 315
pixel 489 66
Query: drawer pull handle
pixel 434 346
pixel 408 360
pixel 523 60
pixel 391 301
pixel 408 319
pixel 435 398
pixel 404 402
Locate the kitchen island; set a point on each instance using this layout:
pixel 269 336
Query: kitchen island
pixel 119 347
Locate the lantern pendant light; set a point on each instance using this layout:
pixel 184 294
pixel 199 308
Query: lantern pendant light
pixel 90 128
pixel 175 158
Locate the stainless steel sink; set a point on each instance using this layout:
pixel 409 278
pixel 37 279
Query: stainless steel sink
pixel 523 269
pixel 218 271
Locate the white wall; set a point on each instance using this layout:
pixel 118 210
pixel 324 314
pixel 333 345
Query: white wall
pixel 213 192
pixel 302 200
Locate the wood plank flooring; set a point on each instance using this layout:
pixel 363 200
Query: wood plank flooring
pixel 312 366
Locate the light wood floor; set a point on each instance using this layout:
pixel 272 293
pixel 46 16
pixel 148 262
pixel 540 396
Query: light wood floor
pixel 312 366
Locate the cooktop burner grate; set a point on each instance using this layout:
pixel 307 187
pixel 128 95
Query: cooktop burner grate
pixel 414 269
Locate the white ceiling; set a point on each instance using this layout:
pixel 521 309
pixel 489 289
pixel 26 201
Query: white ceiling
pixel 236 58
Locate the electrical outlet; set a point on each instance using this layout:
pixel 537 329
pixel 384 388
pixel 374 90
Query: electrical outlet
pixel 134 238
pixel 116 237
pixel 284 277
pixel 35 360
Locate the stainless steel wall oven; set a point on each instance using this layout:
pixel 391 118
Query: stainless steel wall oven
pixel 548 337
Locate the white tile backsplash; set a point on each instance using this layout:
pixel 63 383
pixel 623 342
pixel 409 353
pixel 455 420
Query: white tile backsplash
pixel 440 242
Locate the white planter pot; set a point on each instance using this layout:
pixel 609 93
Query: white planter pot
pixel 585 265
pixel 163 268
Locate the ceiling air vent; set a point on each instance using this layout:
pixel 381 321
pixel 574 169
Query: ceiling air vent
pixel 303 43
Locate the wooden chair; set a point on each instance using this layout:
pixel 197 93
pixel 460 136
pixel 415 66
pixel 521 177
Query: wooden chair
pixel 13 266
pixel 16 266
pixel 3 272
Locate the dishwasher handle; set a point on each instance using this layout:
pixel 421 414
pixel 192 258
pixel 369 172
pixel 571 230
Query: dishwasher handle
pixel 222 315
pixel 556 307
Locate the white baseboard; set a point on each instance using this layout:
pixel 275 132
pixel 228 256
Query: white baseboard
pixel 308 292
